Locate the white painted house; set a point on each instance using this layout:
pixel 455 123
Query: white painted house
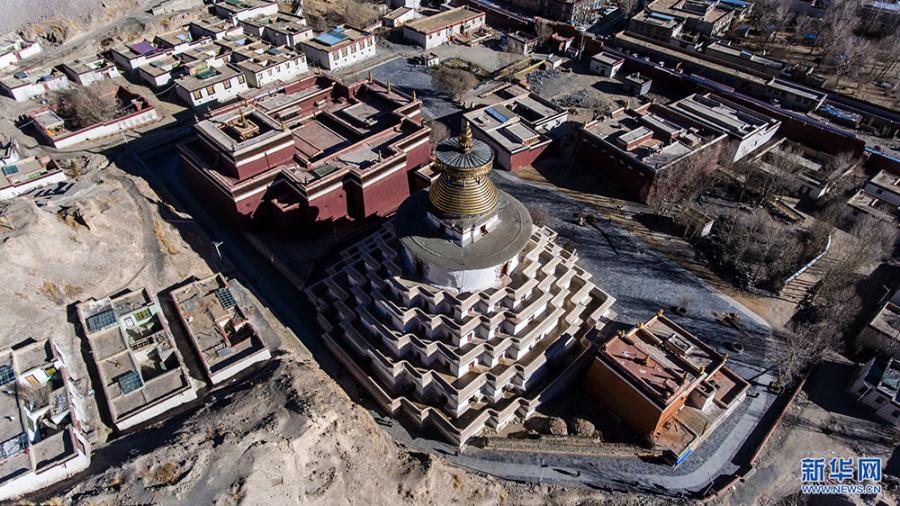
pixel 211 86
pixel 339 48
pixel 442 27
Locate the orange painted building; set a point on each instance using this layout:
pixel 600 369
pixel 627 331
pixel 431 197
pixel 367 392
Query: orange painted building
pixel 666 384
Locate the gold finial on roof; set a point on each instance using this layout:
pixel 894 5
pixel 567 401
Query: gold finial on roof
pixel 243 120
pixel 389 87
pixel 640 325
pixel 282 123
pixel 413 95
pixel 465 138
pixel 659 313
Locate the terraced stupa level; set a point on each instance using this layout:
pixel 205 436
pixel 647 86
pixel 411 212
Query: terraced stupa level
pixel 460 313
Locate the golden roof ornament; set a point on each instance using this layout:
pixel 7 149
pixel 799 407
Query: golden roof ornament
pixel 465 139
pixel 413 95
pixel 370 76
pixel 389 87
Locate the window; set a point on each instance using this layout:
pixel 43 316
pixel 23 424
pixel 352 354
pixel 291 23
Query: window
pixel 198 94
pixel 241 79
pixel 879 400
pixel 210 90
pixel 227 84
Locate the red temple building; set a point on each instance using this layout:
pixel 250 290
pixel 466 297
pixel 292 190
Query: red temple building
pixel 311 152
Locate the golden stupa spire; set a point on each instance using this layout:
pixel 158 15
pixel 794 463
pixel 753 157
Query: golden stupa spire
pixel 465 139
pixel 370 76
pixel 463 189
pixel 413 95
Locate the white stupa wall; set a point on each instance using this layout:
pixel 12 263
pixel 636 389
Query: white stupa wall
pixel 468 280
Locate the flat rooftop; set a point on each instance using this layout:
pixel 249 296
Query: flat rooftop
pixel 33 76
pixel 211 76
pixel 136 49
pixel 280 22
pixel 172 39
pixel 236 6
pixel 796 89
pixel 607 58
pixel 696 9
pixel 651 135
pixel 886 181
pixel 261 55
pixel 214 24
pixel 885 376
pixel 658 19
pixel 873 205
pixel 660 358
pixel 887 321
pixel 716 112
pixel 26 170
pixel 736 52
pixel 85 65
pixel 336 38
pixel 215 322
pixel 134 352
pixel 443 19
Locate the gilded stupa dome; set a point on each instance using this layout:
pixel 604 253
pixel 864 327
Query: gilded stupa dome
pixel 463 189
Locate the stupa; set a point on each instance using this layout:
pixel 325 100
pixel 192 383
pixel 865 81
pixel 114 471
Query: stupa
pixel 459 313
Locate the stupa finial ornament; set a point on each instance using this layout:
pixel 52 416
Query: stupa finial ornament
pixel 465 139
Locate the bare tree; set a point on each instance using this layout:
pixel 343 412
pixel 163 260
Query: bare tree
pixel 872 240
pixel 682 182
pixel 627 6
pixel 453 81
pixel 849 57
pixel 439 131
pixel 542 29
pixel 777 177
pixel 889 48
pixel 83 106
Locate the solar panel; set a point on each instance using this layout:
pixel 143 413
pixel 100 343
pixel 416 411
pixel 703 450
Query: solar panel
pixel 129 382
pixel 331 38
pixel 7 375
pixel 496 115
pixel 13 445
pixel 226 297
pixel 101 321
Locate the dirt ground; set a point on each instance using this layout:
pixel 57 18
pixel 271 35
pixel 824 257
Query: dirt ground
pixel 823 422
pixel 292 437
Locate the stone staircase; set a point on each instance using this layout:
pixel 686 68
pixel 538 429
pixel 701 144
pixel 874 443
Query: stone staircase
pixel 796 290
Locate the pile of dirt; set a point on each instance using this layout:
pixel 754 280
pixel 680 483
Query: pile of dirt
pixel 291 436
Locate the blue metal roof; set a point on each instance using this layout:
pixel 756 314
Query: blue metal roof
pixel 496 115
pixel 664 17
pixel 333 37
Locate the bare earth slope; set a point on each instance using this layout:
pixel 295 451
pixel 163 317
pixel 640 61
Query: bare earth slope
pixel 74 13
pixel 293 437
